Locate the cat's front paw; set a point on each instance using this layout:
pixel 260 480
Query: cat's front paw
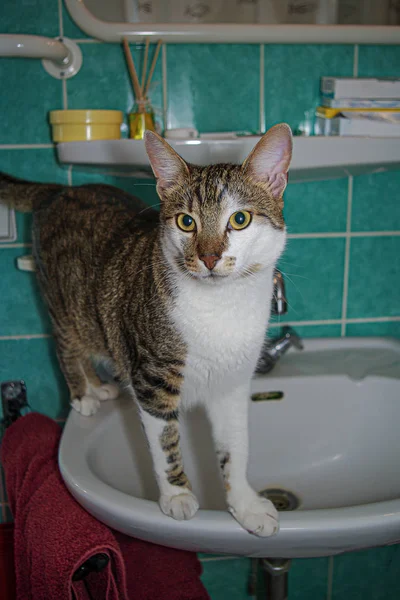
pixel 259 516
pixel 86 406
pixel 181 507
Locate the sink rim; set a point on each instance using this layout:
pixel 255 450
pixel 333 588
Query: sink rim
pixel 323 532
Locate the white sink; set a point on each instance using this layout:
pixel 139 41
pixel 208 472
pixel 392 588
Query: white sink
pixel 332 440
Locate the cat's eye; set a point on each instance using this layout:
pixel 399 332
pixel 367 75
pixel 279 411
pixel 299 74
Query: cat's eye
pixel 185 222
pixel 240 220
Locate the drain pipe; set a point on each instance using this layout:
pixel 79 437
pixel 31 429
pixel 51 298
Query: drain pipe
pixel 276 576
pixel 61 57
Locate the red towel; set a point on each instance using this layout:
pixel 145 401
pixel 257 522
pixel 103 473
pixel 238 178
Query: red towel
pixel 54 535
pixel 7 577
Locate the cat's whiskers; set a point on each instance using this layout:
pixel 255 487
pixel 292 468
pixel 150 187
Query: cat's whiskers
pixel 295 275
pixel 293 283
pixel 248 272
pixel 286 262
pixel 148 208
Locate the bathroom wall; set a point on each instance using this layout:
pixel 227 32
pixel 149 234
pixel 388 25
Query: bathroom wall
pixel 341 264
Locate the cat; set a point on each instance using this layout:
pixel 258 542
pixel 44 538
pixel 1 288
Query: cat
pixel 177 300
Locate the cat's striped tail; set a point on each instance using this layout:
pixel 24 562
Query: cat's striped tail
pixel 22 195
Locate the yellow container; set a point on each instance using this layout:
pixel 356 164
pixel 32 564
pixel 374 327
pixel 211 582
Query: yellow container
pixel 85 125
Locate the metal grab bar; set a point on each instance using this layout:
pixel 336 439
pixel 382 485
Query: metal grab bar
pixel 33 46
pixel 61 57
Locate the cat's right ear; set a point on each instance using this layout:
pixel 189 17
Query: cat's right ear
pixel 269 161
pixel 168 167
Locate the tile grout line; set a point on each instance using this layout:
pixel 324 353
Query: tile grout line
pixel 327 234
pixel 305 323
pixel 60 19
pixel 25 146
pixel 87 41
pixel 293 236
pixel 342 234
pixel 348 227
pixel 164 85
pixel 373 319
pixel 329 589
pixel 262 99
pixel 64 94
pixel 347 256
pixel 29 336
pixel 355 60
pixel 374 233
pixel 389 319
pixel 61 32
pixel 16 245
pixel 354 320
pixel 219 558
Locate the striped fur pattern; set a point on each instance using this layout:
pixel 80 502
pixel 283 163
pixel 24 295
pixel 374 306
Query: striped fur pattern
pixel 124 284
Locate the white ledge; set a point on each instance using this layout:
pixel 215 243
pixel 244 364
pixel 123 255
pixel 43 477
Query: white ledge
pixel 313 157
pixel 232 32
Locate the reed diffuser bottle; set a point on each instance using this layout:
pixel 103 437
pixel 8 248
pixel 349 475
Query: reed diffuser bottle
pixel 142 115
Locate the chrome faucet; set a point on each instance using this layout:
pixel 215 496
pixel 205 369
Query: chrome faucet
pixel 279 304
pixel 274 348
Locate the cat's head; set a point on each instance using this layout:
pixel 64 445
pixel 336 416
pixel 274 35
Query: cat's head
pixel 224 221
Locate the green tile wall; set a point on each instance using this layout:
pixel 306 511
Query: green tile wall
pixel 292 74
pixel 144 188
pixel 316 206
pixel 25 88
pixel 368 574
pixel 34 360
pixel 333 226
pixel 374 266
pixel 31 17
pixel 375 202
pixel 226 578
pixel 214 87
pixel 314 264
pixel 22 307
pixel 103 82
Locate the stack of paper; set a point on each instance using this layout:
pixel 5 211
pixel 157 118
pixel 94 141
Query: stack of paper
pixel 359 107
pixel 8 229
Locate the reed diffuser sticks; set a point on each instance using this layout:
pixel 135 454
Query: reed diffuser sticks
pixel 146 53
pixel 153 66
pixel 142 90
pixel 132 70
pixel 142 117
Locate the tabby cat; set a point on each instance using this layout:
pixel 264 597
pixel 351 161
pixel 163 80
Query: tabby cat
pixel 177 301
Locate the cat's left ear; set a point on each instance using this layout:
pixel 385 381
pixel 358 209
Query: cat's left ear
pixel 168 167
pixel 269 161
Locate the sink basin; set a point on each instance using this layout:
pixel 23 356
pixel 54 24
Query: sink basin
pixel 330 438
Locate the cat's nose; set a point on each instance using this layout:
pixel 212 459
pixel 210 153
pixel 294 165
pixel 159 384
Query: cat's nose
pixel 210 260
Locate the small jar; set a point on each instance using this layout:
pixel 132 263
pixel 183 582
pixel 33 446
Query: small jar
pixel 140 119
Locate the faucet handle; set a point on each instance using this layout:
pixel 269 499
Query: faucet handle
pixel 279 302
pixel 290 334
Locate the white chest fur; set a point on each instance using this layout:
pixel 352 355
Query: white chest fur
pixel 224 328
